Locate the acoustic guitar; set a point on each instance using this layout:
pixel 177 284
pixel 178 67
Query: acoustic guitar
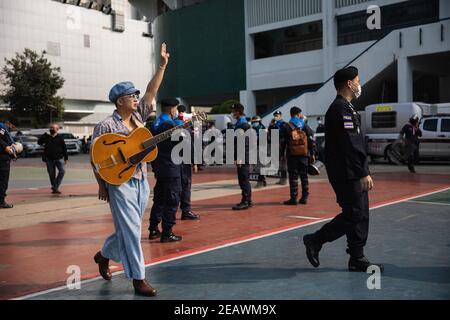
pixel 115 157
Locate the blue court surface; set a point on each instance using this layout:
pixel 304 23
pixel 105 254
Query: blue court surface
pixel 411 239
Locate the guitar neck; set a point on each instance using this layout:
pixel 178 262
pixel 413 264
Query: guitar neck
pixel 167 134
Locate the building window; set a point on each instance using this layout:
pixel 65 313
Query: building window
pixel 384 120
pixel 352 27
pixel 54 48
pixel 87 41
pixel 294 39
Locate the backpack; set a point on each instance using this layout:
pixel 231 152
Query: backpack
pixel 298 143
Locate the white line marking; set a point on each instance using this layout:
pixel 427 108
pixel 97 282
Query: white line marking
pixel 230 244
pixel 433 203
pixel 303 217
pixel 406 218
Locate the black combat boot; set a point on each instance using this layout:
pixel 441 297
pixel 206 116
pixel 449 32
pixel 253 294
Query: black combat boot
pixel 312 250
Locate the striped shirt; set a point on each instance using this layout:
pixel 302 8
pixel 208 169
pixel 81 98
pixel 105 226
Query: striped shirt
pixel 114 124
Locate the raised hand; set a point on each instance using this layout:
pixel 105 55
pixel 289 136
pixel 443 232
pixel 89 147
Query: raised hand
pixel 164 56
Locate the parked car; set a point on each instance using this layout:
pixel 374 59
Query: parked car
pixel 30 145
pixel 73 144
pixel 435 141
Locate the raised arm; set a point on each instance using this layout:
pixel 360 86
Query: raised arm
pixel 155 83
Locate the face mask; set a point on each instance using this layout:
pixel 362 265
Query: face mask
pixel 52 131
pixel 358 92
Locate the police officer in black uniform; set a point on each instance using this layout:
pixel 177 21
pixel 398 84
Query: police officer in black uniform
pixel 168 178
pixel 411 134
pixel 298 164
pixel 348 173
pixel 186 175
pixel 6 153
pixel 243 168
pixel 279 124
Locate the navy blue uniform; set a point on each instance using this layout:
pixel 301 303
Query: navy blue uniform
pixel 298 165
pixel 186 178
pixel 281 125
pixel 243 170
pixel 346 164
pixel 5 161
pixel 166 194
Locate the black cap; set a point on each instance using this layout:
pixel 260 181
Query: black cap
pixel 169 102
pixel 295 111
pixel 277 113
pixel 344 75
pixel 181 108
pixel 237 107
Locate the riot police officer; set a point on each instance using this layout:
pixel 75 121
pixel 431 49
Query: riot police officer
pixel 167 190
pixel 298 164
pixel 258 126
pixel 6 153
pixel 411 134
pixel 279 124
pixel 186 175
pixel 348 173
pixel 243 168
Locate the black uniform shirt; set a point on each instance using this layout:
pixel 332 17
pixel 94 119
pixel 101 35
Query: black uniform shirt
pixel 345 148
pixel 411 134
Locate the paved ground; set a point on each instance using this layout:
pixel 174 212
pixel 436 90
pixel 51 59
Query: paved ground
pixel 44 234
pixel 275 267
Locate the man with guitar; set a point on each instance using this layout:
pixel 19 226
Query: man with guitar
pixel 128 200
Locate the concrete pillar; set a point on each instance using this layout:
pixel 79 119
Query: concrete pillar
pixel 405 80
pixel 444 9
pixel 248 100
pixel 329 27
pixel 247 97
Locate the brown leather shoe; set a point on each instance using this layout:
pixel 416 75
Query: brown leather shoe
pixel 142 288
pixel 103 266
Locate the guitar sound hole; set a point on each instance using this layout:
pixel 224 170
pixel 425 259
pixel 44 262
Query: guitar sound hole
pixel 123 171
pixel 114 142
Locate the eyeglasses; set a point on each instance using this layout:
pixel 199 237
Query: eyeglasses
pixel 132 96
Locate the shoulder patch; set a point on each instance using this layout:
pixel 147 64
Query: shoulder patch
pixel 349 125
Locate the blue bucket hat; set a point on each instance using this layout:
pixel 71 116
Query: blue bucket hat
pixel 122 89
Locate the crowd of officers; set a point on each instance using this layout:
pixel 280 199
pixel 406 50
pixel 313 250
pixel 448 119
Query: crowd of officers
pixel 347 168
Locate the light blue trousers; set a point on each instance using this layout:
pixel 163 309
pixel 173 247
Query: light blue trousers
pixel 127 202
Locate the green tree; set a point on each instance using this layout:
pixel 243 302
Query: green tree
pixel 32 84
pixel 224 108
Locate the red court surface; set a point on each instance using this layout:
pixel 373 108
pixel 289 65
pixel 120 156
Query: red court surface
pixel 90 189
pixel 36 258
